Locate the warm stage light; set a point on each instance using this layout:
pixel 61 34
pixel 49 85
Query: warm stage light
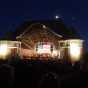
pixel 54 53
pixel 75 50
pixel 9 48
pixel 4 50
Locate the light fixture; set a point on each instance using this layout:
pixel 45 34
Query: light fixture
pixel 44 26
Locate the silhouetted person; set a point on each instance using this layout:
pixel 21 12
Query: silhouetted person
pixel 6 76
pixel 50 80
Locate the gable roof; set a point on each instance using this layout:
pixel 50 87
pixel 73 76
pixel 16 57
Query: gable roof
pixel 36 27
pixel 56 26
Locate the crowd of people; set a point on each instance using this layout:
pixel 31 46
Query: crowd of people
pixel 17 73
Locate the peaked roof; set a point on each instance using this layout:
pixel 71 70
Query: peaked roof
pixel 57 27
pixel 38 32
pixel 38 27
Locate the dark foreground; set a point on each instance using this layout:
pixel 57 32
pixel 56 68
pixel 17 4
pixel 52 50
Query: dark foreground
pixel 42 74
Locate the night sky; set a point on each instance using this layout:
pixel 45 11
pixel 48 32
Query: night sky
pixel 15 12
